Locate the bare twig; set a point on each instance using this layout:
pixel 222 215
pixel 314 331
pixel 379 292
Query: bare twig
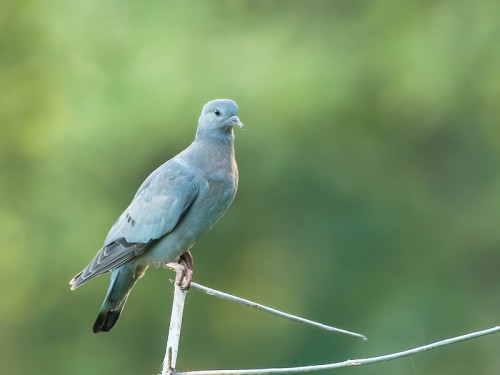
pixel 174 331
pixel 350 362
pixel 175 328
pixel 269 310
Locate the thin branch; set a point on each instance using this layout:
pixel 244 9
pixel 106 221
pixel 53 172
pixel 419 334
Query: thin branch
pixel 350 362
pixel 174 331
pixel 176 322
pixel 269 310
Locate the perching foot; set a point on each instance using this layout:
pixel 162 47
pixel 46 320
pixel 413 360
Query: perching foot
pixel 184 270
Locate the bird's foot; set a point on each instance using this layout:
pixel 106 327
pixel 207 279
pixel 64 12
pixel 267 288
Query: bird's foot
pixel 184 270
pixel 182 273
pixel 187 260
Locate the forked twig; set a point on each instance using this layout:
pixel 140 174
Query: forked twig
pixel 175 328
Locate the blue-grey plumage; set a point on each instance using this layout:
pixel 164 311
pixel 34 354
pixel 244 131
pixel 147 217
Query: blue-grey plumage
pixel 175 205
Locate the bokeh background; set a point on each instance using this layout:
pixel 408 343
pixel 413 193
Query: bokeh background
pixel 369 179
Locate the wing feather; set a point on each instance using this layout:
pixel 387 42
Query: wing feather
pixel 158 206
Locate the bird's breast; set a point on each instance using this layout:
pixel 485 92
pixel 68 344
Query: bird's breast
pixel 217 176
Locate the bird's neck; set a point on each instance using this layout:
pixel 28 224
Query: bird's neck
pixel 225 138
pixel 213 149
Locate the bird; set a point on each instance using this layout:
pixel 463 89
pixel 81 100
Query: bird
pixel 176 204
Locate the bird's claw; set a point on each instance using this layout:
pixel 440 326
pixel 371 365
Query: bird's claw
pixel 183 270
pixel 187 277
pixel 183 275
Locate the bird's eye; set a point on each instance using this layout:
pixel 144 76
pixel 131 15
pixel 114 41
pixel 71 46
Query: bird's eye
pixel 217 112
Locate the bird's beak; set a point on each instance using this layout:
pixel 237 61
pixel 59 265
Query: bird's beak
pixel 235 121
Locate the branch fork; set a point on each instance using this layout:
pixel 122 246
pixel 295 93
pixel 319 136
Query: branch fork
pixel 170 359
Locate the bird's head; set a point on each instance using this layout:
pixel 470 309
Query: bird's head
pixel 218 118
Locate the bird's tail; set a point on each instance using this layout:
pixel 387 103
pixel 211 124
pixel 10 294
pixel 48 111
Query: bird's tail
pixel 122 281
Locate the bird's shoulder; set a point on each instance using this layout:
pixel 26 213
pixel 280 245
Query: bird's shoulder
pixel 170 174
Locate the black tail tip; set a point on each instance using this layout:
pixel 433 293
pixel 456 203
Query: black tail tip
pixel 105 321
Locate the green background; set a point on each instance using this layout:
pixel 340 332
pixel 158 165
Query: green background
pixel 369 191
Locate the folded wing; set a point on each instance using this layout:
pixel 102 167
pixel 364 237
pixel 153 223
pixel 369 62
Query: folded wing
pixel 158 206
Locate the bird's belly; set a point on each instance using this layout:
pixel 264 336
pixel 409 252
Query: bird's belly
pixel 207 209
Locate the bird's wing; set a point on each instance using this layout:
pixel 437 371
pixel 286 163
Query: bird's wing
pixel 158 206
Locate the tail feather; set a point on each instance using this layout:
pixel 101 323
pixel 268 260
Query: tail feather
pixel 105 321
pixel 75 281
pixel 123 279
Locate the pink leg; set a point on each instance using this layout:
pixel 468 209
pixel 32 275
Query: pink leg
pixel 183 269
pixel 187 259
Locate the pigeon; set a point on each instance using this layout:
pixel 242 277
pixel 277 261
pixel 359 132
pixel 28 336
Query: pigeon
pixel 174 206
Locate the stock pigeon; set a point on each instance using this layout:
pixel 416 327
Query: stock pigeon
pixel 175 205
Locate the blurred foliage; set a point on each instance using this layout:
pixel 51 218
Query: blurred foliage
pixel 369 178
